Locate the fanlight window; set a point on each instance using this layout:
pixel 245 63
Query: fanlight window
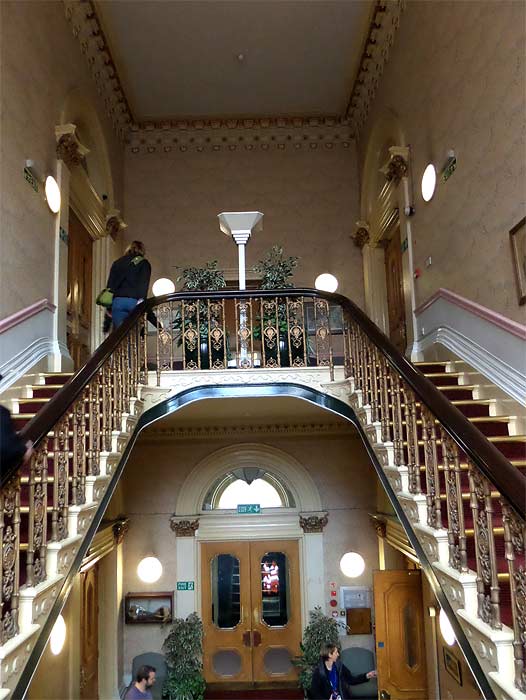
pixel 249 485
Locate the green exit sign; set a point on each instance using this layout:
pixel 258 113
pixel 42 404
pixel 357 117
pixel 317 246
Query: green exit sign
pixel 185 585
pixel 248 508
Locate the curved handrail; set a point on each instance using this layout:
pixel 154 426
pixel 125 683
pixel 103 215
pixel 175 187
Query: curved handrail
pixel 508 480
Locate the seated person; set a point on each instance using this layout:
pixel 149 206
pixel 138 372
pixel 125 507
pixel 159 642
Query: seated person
pixel 331 679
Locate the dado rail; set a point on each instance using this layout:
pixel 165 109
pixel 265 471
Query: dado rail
pixel 452 484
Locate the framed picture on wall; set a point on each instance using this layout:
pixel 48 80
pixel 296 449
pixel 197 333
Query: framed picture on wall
pixel 452 665
pixel 518 252
pixel 148 608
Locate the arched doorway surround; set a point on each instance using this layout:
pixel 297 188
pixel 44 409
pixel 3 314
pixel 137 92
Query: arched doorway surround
pixel 192 524
pixel 86 183
pixel 386 194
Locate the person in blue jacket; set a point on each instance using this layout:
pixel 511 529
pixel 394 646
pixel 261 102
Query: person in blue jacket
pixel 331 680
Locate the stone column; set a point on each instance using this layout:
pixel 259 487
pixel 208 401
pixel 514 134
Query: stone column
pixel 186 602
pixel 313 558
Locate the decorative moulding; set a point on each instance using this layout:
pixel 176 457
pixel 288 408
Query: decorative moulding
pixel 114 222
pixel 215 432
pixel 397 166
pixel 361 235
pixel 24 314
pixel 183 527
pixel 299 133
pixel 497 319
pixel 381 36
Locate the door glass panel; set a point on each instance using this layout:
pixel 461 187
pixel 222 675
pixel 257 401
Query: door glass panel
pixel 274 589
pixel 226 662
pixel 226 612
pixel 410 637
pixel 277 661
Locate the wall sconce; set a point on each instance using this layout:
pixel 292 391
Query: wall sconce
pixel 446 630
pixel 352 564
pixel 429 182
pixel 163 286
pixel 57 638
pixel 326 282
pixel 50 185
pixel 149 569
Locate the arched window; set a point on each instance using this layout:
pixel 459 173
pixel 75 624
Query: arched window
pixel 248 486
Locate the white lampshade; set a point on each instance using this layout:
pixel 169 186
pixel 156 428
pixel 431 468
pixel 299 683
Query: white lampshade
pixel 446 629
pixel 352 564
pixel 52 192
pixel 429 181
pixel 150 569
pixel 163 286
pixel 326 282
pixel 57 638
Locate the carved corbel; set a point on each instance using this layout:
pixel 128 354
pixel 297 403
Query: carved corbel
pixel 69 148
pixel 183 527
pixel 120 529
pixel 313 523
pixel 397 166
pixel 361 235
pixel 114 222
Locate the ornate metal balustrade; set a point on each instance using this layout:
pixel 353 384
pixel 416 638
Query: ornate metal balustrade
pixel 446 457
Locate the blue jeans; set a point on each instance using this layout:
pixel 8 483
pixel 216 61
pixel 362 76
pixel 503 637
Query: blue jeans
pixel 121 308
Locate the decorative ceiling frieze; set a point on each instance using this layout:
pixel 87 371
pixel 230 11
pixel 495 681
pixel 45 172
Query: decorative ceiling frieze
pixel 87 28
pixel 218 432
pixel 384 25
pixel 276 133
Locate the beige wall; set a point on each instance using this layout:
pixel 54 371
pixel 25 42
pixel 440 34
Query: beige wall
pixel 41 63
pixel 156 471
pixel 310 202
pixel 455 80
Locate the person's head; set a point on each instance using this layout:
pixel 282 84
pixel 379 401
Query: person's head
pixel 329 652
pixel 146 673
pixel 136 248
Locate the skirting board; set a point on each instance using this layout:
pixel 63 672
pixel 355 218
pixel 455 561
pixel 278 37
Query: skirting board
pixel 507 378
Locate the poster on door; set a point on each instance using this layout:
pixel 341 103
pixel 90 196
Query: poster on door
pixel 270 576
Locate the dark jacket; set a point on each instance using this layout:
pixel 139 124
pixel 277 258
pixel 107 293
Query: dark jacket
pixel 12 447
pixel 129 280
pixel 321 689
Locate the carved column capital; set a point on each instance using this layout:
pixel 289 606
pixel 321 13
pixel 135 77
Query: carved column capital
pixel 69 149
pixel 396 169
pixel 381 528
pixel 120 529
pixel 114 222
pixel 313 523
pixel 183 527
pixel 361 235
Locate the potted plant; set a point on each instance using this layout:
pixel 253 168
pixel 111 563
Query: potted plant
pixel 320 630
pixel 199 279
pixel 276 269
pixel 183 650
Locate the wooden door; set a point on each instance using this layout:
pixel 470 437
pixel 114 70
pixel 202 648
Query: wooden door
pixel 80 293
pixel 395 292
pixel 89 634
pixel 251 612
pixel 400 642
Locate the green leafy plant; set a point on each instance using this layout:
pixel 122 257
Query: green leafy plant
pixel 320 630
pixel 202 279
pixel 276 269
pixel 183 650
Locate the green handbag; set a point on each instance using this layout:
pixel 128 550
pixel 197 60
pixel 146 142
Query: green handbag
pixel 105 298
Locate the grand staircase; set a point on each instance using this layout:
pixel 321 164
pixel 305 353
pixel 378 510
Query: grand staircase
pixel 459 496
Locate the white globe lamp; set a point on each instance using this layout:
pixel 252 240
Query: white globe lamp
pixel 352 564
pixel 163 286
pixel 429 182
pixel 52 192
pixel 326 282
pixel 149 570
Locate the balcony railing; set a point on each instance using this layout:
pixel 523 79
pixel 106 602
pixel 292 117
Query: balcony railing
pixel 446 456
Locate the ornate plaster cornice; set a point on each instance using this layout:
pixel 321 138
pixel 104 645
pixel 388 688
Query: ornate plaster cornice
pixel 183 527
pixel 310 523
pixel 385 22
pixel 361 235
pixel 69 149
pixel 218 432
pixel 397 165
pixel 87 28
pixel 265 133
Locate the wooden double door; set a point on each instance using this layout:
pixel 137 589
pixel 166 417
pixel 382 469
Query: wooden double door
pixel 251 609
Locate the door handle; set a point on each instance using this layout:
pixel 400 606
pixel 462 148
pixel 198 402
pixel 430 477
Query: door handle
pixel 384 695
pixel 247 639
pixel 256 638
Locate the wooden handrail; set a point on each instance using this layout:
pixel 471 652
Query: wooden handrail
pixel 508 480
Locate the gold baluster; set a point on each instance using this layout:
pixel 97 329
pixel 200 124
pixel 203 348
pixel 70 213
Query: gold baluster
pixel 323 334
pixel 10 543
pixel 37 534
pixel 488 591
pixel 515 552
pixel 59 515
pixel 456 532
pixel 396 400
pixel 384 400
pixel 413 454
pixel 434 513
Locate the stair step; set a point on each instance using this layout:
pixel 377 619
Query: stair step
pixel 59 378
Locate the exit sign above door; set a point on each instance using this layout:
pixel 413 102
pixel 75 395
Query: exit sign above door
pixel 248 508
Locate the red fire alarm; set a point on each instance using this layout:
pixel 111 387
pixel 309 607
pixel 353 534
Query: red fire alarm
pixel 333 593
pixel 333 603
